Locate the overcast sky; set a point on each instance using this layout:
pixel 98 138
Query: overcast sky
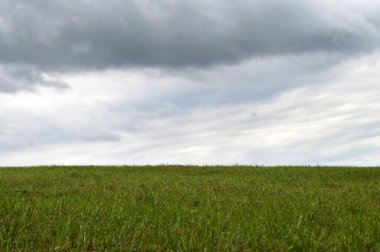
pixel 190 82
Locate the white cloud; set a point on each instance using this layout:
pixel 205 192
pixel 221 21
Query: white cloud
pixel 325 116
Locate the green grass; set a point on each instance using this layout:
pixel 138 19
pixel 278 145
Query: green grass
pixel 189 208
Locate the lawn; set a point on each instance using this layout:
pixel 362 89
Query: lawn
pixel 189 208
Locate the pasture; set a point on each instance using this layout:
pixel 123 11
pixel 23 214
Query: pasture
pixel 189 208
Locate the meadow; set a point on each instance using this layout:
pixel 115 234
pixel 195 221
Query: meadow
pixel 171 208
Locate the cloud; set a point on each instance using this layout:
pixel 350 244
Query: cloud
pixel 83 34
pixel 164 81
pixel 15 78
pixel 330 121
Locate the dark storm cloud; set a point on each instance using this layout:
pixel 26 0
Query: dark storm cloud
pixel 74 35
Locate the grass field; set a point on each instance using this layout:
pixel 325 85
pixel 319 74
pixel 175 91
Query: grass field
pixel 189 208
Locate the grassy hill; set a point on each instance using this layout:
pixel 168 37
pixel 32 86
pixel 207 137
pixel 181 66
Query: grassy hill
pixel 189 208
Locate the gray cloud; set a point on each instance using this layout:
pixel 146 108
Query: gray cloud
pixel 14 78
pixel 83 34
pixel 163 81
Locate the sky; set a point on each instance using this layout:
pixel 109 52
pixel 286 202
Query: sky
pixel 251 82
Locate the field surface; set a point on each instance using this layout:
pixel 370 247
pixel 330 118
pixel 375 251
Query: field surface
pixel 189 208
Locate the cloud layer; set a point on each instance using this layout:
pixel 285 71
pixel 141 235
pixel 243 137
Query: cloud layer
pixel 202 82
pixel 153 119
pixel 53 34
